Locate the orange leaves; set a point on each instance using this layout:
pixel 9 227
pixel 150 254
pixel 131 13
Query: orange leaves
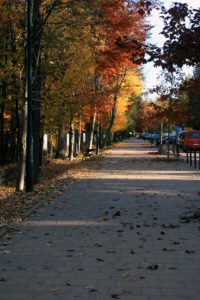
pixel 147 117
pixel 119 25
pixel 132 85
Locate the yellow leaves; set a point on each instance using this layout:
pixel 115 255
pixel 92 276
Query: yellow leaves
pixel 132 84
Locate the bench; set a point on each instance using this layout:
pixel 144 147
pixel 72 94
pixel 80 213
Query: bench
pixel 88 153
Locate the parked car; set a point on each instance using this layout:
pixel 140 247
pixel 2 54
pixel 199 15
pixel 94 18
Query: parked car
pixel 153 138
pixel 171 138
pixel 191 140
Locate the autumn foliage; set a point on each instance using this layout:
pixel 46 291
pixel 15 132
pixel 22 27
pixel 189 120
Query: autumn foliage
pixel 83 53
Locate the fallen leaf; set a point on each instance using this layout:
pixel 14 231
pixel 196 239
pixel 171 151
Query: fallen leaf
pixel 122 269
pixel 99 259
pixel 98 245
pixel 171 226
pixel 126 292
pixel 125 275
pixel 115 296
pixel 93 290
pixel 153 267
pixel 189 251
pixel 176 243
pixel 168 250
pixel 117 214
pixel 162 233
pixel 89 287
pixel 55 291
pixel 21 268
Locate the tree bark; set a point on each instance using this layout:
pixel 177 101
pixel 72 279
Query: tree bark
pixel 21 166
pixel 37 87
pixel 2 146
pixel 71 140
pixel 79 134
pixel 112 119
pixel 97 138
pixel 91 136
pixel 61 148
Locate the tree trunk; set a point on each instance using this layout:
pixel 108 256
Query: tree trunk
pixel 79 134
pixel 97 138
pixel 21 166
pixel 2 146
pixel 91 136
pixel 61 148
pixel 112 119
pixel 161 133
pixel 100 136
pixel 37 87
pixel 71 140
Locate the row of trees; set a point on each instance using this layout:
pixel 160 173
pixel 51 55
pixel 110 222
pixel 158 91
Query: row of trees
pixel 85 73
pixel 82 65
pixel 178 101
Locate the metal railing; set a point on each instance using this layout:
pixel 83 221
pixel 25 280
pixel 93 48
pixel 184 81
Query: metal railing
pixel 193 158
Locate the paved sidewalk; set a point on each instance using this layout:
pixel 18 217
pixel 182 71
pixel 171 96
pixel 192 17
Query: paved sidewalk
pixel 115 235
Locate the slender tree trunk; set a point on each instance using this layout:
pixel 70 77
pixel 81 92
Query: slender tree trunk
pixel 79 133
pixel 97 138
pixel 22 120
pixel 100 136
pixel 91 137
pixel 168 145
pixel 37 87
pixel 169 126
pixel 71 140
pixel 61 149
pixel 21 166
pixel 161 133
pixel 2 146
pixel 112 119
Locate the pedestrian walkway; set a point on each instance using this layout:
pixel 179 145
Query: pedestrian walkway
pixel 116 234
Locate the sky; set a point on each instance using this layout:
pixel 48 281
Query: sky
pixel 151 73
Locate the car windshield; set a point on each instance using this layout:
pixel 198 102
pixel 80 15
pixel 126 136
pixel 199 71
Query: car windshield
pixel 194 135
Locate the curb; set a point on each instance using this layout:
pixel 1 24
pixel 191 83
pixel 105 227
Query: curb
pixel 6 228
pixel 10 226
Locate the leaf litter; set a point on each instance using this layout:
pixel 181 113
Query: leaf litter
pixel 56 177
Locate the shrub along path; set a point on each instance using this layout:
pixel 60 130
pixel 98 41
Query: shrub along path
pixel 128 229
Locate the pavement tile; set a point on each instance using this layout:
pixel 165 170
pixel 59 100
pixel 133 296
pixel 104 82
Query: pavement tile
pixel 110 235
